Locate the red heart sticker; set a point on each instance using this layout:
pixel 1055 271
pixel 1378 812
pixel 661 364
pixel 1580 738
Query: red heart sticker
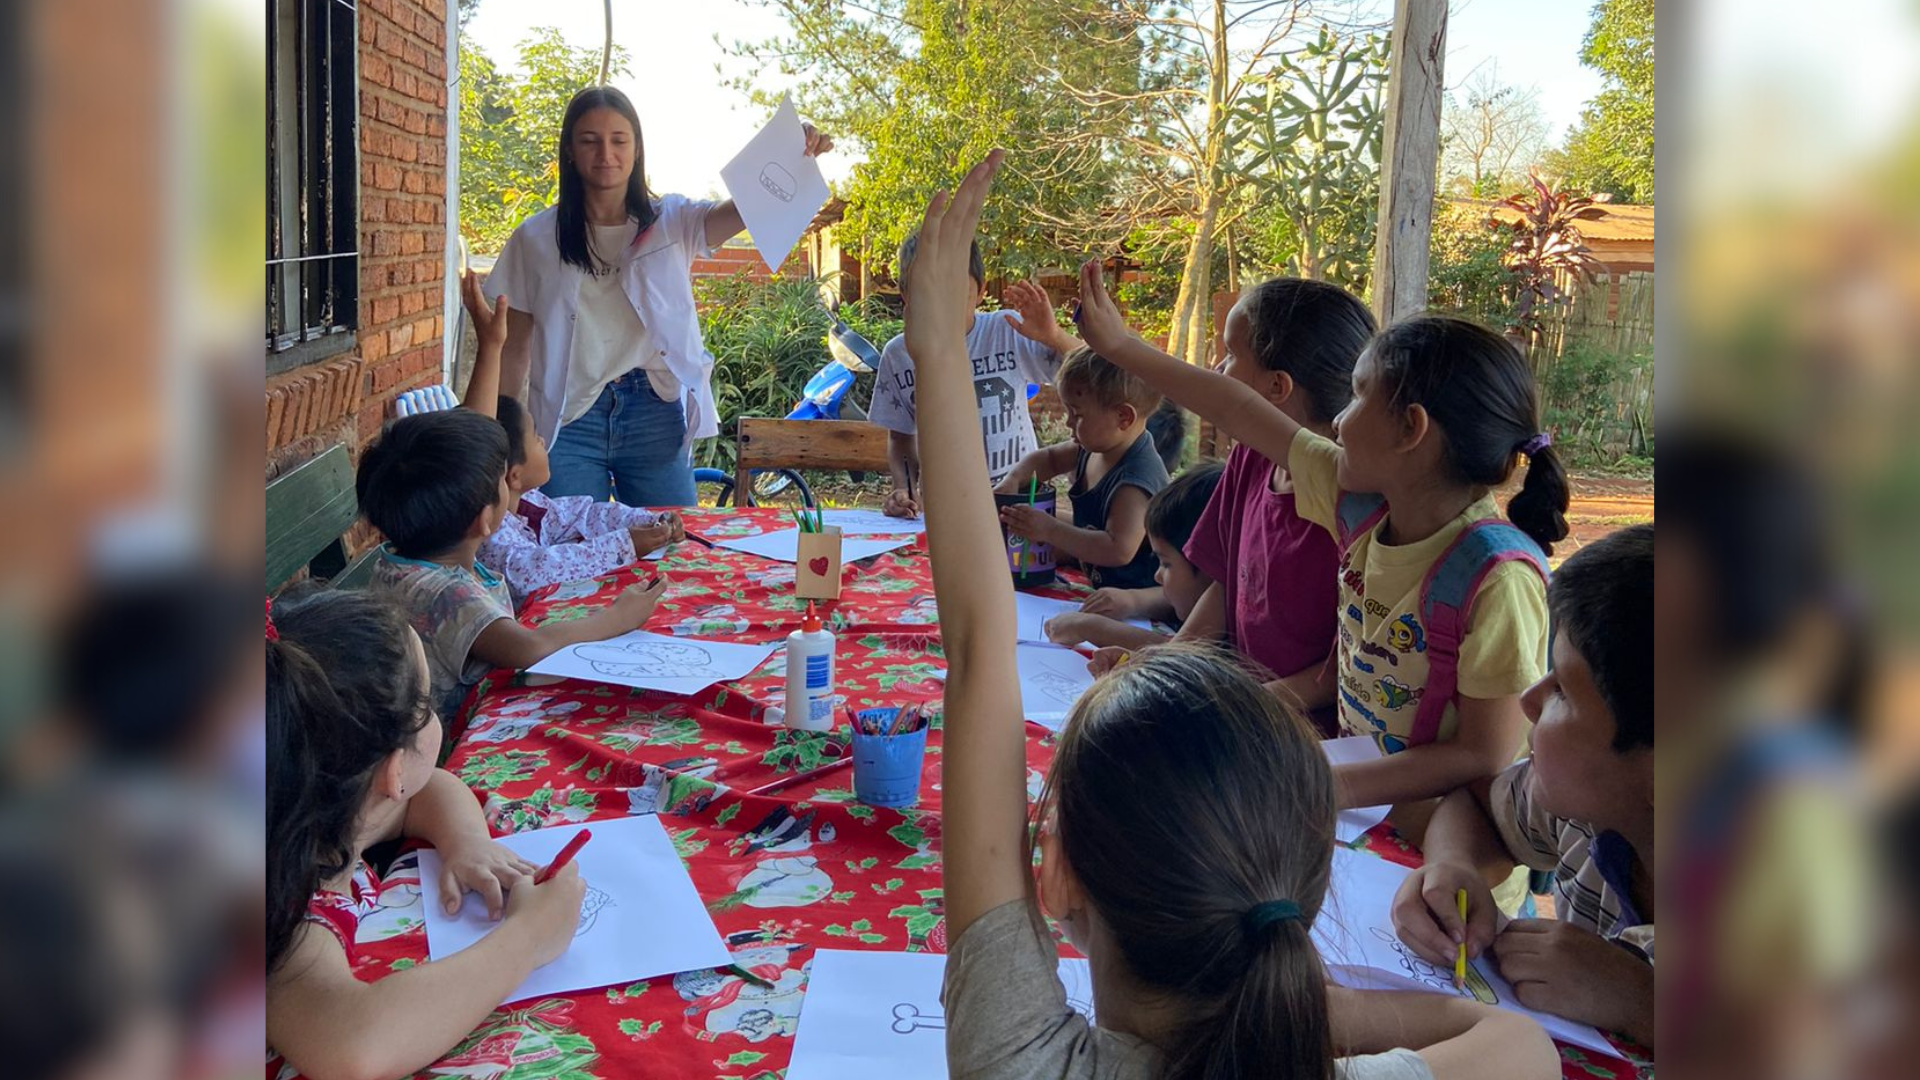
pixel 818 566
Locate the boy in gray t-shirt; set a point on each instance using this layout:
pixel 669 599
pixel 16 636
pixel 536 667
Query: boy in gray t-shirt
pixel 1008 350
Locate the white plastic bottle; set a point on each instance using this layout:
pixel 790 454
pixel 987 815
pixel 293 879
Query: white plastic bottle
pixel 810 676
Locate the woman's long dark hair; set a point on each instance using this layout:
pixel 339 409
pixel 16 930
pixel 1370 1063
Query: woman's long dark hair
pixel 571 230
pixel 1480 392
pixel 344 691
pixel 1175 879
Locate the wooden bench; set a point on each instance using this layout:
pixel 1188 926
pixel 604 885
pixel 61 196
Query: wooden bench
pixel 307 511
pixel 767 443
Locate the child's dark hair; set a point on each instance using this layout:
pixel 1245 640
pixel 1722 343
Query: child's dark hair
pixel 1480 393
pixel 1110 384
pixel 1314 332
pixel 425 479
pixel 1208 897
pixel 976 267
pixel 1760 522
pixel 1172 514
pixel 344 691
pixel 515 422
pixel 1602 599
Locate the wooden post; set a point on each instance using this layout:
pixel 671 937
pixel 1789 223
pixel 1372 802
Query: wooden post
pixel 1410 153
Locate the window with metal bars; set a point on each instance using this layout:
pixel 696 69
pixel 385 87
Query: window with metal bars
pixel 313 180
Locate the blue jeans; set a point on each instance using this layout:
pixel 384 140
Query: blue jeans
pixel 630 444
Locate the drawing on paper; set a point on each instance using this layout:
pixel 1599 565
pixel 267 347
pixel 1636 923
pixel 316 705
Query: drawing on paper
pixel 1439 978
pixel 1059 688
pixel 590 906
pixel 647 660
pixel 778 181
pixel 909 1018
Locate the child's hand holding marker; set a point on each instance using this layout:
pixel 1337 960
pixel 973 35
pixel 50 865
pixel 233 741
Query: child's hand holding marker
pixel 1428 915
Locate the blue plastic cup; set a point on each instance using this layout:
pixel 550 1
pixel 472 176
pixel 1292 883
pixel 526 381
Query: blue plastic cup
pixel 886 768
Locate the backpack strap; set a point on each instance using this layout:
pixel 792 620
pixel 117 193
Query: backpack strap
pixel 1354 513
pixel 1446 602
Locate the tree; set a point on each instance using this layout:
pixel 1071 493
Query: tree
pixel 1491 134
pixel 1545 250
pixel 1120 112
pixel 1611 150
pixel 1313 141
pixel 510 129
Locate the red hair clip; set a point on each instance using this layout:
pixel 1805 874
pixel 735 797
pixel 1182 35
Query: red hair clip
pixel 273 632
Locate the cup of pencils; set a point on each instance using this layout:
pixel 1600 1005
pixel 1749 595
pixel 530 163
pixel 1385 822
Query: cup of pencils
pixel 889 748
pixel 1032 563
pixel 816 572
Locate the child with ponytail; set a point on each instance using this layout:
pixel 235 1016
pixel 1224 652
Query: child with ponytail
pixel 1194 912
pixel 1442 619
pixel 351 745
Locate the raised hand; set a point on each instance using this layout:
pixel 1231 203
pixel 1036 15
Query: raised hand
pixel 939 288
pixel 818 142
pixel 1099 319
pixel 1036 321
pixel 489 320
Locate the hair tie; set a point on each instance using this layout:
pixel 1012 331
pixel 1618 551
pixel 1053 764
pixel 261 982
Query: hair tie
pixel 1268 912
pixel 273 632
pixel 1536 444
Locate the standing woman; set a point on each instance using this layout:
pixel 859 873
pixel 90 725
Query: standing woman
pixel 601 331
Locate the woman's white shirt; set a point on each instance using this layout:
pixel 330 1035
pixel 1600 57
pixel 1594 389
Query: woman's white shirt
pixel 655 276
pixel 609 339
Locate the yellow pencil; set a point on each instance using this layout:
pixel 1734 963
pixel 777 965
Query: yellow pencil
pixel 1460 958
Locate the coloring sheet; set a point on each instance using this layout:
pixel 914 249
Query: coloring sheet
pixel 877 1015
pixel 873 523
pixel 1052 678
pixel 1031 613
pixel 777 187
pixel 641 916
pixel 1350 824
pixel 784 546
pixel 1356 939
pixel 648 661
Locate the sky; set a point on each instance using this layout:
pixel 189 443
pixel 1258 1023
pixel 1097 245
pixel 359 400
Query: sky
pixel 694 123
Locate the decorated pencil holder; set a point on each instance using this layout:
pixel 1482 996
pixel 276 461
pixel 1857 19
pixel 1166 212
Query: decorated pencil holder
pixel 886 768
pixel 1031 563
pixel 816 571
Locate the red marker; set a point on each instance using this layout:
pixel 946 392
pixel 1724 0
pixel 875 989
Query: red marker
pixel 566 856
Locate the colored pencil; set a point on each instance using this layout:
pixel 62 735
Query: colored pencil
pixel 788 781
pixel 566 856
pixel 1460 958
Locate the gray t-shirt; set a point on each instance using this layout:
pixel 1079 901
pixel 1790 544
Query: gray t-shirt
pixel 1008 1017
pixel 448 607
pixel 1139 467
pixel 1004 363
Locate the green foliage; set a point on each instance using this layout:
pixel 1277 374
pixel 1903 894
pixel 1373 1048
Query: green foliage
pixel 1612 148
pixel 1589 396
pixel 874 320
pixel 767 339
pixel 1466 269
pixel 510 131
pixel 1310 145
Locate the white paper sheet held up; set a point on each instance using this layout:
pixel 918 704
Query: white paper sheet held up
pixel 641 916
pixel 784 546
pixel 1350 824
pixel 776 186
pixel 1030 614
pixel 648 661
pixel 1356 939
pixel 873 523
pixel 1052 678
pixel 877 1015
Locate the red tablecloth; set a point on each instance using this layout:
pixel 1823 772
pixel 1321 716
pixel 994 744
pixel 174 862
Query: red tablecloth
pixel 782 873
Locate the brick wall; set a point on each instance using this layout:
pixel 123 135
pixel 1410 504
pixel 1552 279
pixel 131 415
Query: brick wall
pixel 729 261
pixel 403 184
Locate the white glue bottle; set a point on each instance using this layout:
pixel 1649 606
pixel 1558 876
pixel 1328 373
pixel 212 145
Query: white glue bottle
pixel 810 675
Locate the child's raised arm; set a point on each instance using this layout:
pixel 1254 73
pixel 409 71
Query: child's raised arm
pixel 490 324
pixel 983 762
pixel 1230 404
